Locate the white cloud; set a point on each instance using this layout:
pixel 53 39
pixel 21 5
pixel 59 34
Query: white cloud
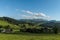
pixel 29 12
pixel 35 15
pixel 41 15
pixel 26 17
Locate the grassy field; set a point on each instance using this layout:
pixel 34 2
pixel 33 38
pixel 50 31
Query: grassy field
pixel 29 36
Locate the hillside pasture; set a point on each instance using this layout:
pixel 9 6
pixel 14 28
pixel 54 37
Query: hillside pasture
pixel 29 36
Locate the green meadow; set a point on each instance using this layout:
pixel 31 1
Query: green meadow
pixel 29 36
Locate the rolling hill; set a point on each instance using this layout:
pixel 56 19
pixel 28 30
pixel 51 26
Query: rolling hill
pixel 14 23
pixel 4 23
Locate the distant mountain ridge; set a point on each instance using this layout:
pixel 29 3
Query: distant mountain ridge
pixel 25 20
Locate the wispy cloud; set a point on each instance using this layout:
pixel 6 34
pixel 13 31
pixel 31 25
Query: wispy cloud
pixel 29 12
pixel 35 15
pixel 41 15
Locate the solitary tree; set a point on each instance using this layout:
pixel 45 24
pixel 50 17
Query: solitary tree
pixel 0 28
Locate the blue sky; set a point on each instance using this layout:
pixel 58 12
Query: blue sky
pixel 19 9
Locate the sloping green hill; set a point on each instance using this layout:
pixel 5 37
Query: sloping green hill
pixel 5 23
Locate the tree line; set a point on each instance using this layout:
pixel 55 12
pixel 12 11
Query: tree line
pixel 39 30
pixel 8 29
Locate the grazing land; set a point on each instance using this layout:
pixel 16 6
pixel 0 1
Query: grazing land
pixel 29 36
